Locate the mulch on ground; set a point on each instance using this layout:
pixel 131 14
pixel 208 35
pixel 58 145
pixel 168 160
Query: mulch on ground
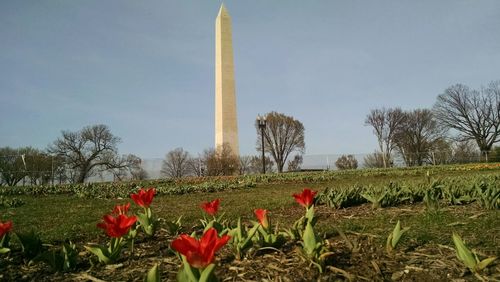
pixel 356 257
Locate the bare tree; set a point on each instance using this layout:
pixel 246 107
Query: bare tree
pixel 175 163
pixel 129 163
pixel 442 152
pixel 12 166
pixel 375 160
pixel 197 166
pixel 385 123
pixel 475 114
pixel 256 164
pixel 417 136
pixel 26 164
pixel 495 156
pixel 295 163
pixel 221 161
pixel 346 162
pixel 90 150
pixel 139 174
pixel 61 174
pixel 39 166
pixel 282 136
pixel 245 164
pixel 465 152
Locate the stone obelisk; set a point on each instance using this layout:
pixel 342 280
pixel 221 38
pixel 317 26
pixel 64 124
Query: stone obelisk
pixel 226 122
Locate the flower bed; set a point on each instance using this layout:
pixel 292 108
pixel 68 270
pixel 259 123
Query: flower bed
pixel 300 245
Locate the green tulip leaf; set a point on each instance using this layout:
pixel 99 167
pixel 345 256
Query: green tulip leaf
pixel 101 252
pixel 310 214
pixel 309 239
pixel 187 274
pixel 239 232
pixel 463 253
pixel 250 235
pixel 484 263
pixel 4 242
pixel 395 236
pixel 153 275
pixel 207 274
pixel 31 244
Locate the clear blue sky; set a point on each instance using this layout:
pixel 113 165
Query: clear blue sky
pixel 146 68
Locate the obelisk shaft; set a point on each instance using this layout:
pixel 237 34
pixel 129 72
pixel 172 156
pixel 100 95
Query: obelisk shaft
pixel 226 123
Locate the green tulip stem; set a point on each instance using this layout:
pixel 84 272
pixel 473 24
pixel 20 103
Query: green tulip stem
pixel 207 272
pixel 115 246
pixel 310 213
pixel 188 270
pixel 132 246
pixel 3 240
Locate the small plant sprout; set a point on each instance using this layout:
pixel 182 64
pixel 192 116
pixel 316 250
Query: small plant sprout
pixel 394 237
pixel 241 238
pixel 174 226
pixel 469 258
pixel 153 274
pixel 61 260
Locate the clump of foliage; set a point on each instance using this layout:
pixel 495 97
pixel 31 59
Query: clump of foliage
pixel 10 202
pixel 375 195
pixel 241 238
pixel 31 244
pixel 488 194
pixel 346 162
pixel 341 197
pixel 432 196
pixel 61 260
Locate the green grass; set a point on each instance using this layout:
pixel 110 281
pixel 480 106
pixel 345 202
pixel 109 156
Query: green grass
pixel 60 217
pixel 432 227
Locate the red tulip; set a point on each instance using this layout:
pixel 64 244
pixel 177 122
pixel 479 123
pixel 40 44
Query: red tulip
pixel 261 215
pixel 200 254
pixel 117 226
pixel 123 209
pixel 211 207
pixel 5 228
pixel 306 198
pixel 144 198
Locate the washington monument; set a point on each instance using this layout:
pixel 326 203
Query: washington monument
pixel 226 123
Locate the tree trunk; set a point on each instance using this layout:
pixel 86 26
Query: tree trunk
pixel 485 151
pixel 280 166
pixel 82 174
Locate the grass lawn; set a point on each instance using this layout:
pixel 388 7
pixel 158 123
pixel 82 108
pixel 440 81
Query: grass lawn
pixel 425 251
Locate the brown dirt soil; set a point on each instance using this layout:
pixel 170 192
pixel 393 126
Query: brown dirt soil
pixel 357 258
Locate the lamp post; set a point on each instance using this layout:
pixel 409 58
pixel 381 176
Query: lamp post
pixel 262 125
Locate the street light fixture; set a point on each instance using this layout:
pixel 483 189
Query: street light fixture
pixel 262 125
